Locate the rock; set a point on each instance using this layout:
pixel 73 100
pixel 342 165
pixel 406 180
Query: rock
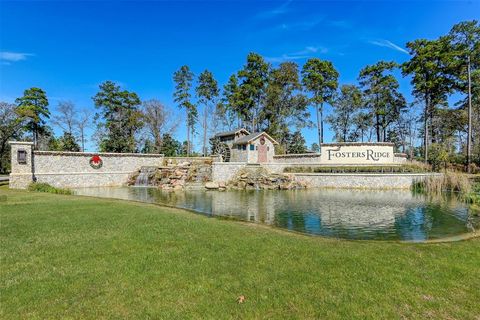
pixel 241 184
pixel 184 164
pixel 222 184
pixel 178 187
pixel 211 185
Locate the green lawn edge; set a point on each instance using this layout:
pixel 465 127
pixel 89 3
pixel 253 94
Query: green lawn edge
pixel 77 257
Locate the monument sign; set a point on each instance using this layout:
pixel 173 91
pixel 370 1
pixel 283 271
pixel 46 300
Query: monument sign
pixel 357 153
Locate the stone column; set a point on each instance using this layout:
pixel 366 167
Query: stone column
pixel 22 164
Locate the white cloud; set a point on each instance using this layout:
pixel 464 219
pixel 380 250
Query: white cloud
pixel 285 57
pixel 306 53
pixel 6 56
pixel 388 44
pixel 312 49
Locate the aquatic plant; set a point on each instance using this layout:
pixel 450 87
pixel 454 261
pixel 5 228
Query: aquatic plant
pixel 449 181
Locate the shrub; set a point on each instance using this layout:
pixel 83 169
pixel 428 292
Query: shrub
pixel 45 187
pixel 438 156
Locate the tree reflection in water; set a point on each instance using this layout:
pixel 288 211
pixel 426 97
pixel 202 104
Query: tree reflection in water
pixel 350 214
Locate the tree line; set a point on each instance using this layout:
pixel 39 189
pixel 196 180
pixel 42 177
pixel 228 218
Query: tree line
pixel 122 123
pixel 444 75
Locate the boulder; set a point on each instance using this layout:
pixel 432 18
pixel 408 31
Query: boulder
pixel 211 185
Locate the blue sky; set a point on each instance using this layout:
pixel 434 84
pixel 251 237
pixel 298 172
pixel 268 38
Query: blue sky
pixel 69 48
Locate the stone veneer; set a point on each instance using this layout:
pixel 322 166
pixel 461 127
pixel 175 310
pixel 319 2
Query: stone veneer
pixel 72 169
pixel 22 174
pixel 223 172
pixel 361 181
pixel 304 158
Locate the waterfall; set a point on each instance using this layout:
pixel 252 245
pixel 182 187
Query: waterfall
pixel 144 176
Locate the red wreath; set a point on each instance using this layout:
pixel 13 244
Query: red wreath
pixel 96 162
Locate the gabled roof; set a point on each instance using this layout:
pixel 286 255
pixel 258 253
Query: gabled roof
pixel 254 136
pixel 231 133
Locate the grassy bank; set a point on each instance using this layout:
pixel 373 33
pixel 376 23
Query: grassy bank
pixel 71 257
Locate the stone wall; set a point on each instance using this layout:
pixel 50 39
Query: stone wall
pixel 22 173
pixel 400 158
pixel 362 181
pixel 304 158
pixel 223 172
pixel 253 154
pixel 73 169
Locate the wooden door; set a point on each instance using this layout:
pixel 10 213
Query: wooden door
pixel 262 153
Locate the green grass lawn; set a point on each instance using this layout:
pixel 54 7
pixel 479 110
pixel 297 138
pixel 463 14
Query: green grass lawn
pixel 73 257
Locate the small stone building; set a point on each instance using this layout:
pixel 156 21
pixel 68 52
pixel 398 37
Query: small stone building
pixel 243 146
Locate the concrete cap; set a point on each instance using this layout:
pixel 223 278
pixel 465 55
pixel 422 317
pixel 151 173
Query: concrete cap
pixel 29 143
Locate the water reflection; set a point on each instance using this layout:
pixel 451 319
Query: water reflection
pixel 351 214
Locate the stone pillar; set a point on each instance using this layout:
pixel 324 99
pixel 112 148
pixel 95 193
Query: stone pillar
pixel 22 164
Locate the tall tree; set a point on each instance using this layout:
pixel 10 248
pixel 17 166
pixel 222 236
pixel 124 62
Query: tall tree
pixel 67 142
pixel 170 146
pixel 363 126
pixel 231 104
pixel 321 79
pixel 34 107
pixel 253 85
pixel 66 117
pixel 183 78
pixel 345 106
pixel 465 40
pixel 11 124
pixel 382 95
pixel 83 122
pixel 158 121
pixel 295 143
pixel 429 67
pixel 285 104
pixel 207 93
pixel 122 119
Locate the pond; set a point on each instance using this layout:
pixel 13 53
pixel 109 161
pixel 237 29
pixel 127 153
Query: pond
pixel 348 214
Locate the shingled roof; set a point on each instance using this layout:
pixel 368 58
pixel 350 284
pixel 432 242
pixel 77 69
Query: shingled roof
pixel 231 133
pixel 253 136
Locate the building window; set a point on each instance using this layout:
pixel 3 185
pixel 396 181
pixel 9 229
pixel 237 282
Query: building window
pixel 244 147
pixel 239 147
pixel 22 156
pixel 252 147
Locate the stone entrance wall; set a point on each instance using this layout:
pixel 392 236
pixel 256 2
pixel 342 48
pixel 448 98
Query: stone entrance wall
pixel 224 172
pixel 73 169
pixel 361 181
